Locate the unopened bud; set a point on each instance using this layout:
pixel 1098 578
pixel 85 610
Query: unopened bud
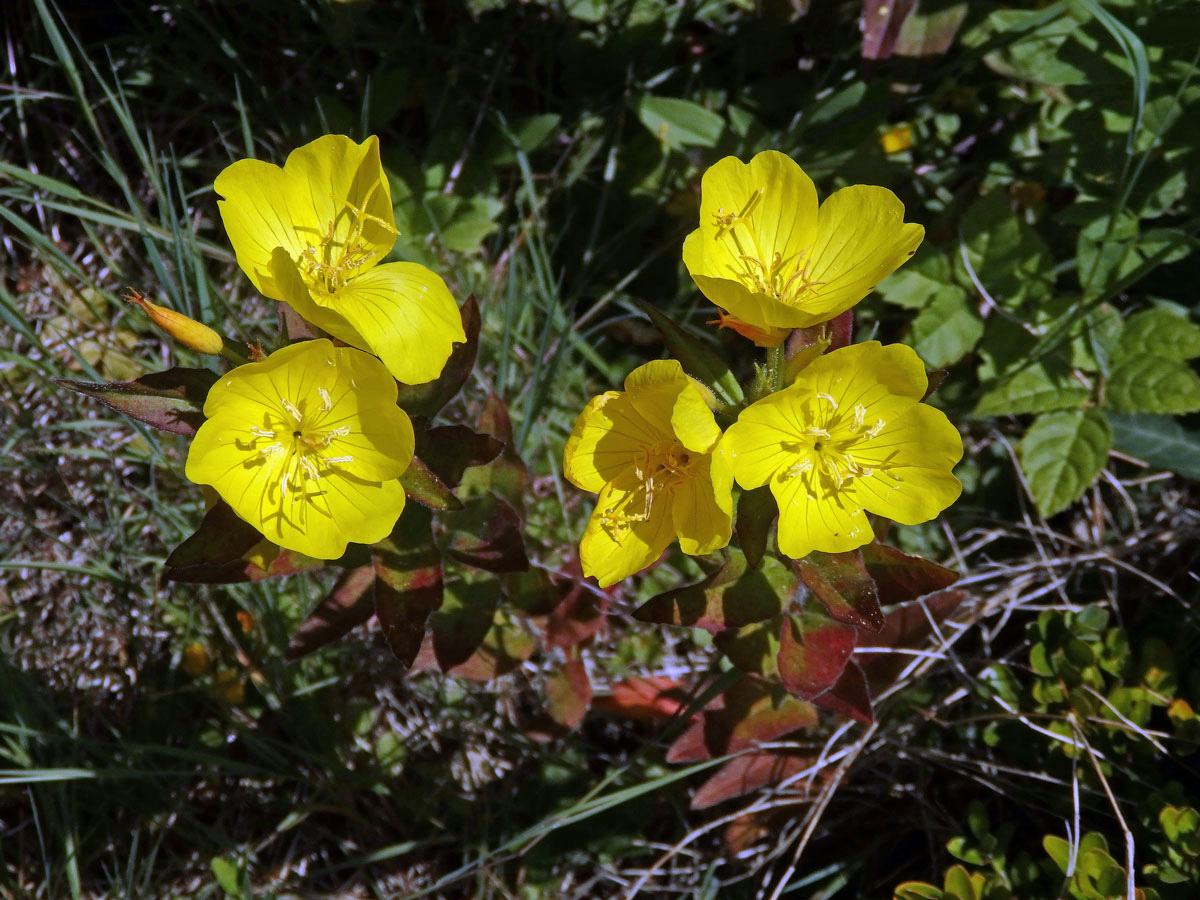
pixel 183 328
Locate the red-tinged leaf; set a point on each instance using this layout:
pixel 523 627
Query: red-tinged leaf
pixel 901 577
pixel 428 398
pixel 841 330
pixel 426 488
pixel 464 620
pixel 849 696
pixel 408 582
pixel 813 650
pixel 936 377
pixel 731 597
pixel 569 693
pixel 222 537
pixel 536 592
pixel 655 699
pixel 751 712
pixel 495 420
pixel 295 326
pixel 744 831
pixel 578 617
pixel 842 583
pixel 749 773
pixel 506 475
pixel 881 24
pixel 756 512
pixel 487 534
pixel 348 605
pixel 907 627
pixel 169 401
pixel 506 646
pixel 450 450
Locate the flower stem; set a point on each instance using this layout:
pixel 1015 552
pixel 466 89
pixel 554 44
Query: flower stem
pixel 775 360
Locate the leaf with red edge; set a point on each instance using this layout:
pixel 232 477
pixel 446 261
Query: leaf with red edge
pixel 488 534
pixel 813 651
pixel 462 623
pixel 730 597
pixel 169 401
pixel 849 696
pixel 749 713
pixel 422 485
pixel 428 398
pixel 756 512
pixel 349 604
pixel 881 24
pixel 508 644
pixel 901 577
pixel 569 693
pixel 842 583
pixel 655 698
pixel 408 582
pixel 249 568
pixel 495 420
pixel 578 617
pixel 748 773
pixel 223 537
pixel 450 450
pixel 907 627
pixel 752 648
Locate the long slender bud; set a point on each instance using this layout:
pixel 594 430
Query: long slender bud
pixel 182 328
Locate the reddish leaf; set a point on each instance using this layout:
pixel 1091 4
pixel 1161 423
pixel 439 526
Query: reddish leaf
pixel 656 698
pixel 495 420
pixel 569 693
pixel 348 605
pixel 462 623
pixel 749 713
pixel 841 582
pixel 578 617
pixel 849 696
pixel 426 488
pixel 223 537
pixel 508 644
pixel 881 23
pixel 452 449
pixel 487 534
pixel 841 330
pixel 753 648
pixel 408 582
pixel 901 577
pixel 749 773
pixel 745 830
pixel 169 401
pixel 731 597
pixel 296 327
pixel 813 650
pixel 756 511
pixel 907 627
pixel 428 398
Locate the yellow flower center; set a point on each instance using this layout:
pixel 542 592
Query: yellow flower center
pixel 297 447
pixel 327 265
pixel 826 447
pixel 762 270
pixel 661 468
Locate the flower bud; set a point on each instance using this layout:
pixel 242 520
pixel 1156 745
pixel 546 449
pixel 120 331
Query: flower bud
pixel 184 329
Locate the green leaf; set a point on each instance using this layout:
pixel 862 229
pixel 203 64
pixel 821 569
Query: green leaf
pixel 222 537
pixel 1041 387
pixel 422 485
pixel 232 877
pixel 1007 258
pixel 463 621
pixel 169 401
pixel 1061 456
pixel 1152 384
pixel 958 884
pixel 1159 332
pixel 916 283
pixel 756 511
pixel 697 359
pixel 732 596
pixel 488 533
pixel 1058 850
pixel 1160 441
pixel 947 329
pixel 679 123
pixel 918 890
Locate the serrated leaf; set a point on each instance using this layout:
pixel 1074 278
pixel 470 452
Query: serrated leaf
pixel 1061 456
pixel 813 651
pixel 569 694
pixel 841 582
pixel 428 399
pixel 679 123
pixel 1159 332
pixel 169 401
pixel 947 329
pixel 1152 384
pixel 1041 387
pixel 1160 441
pixel 697 359
pixel 1007 257
pixel 901 577
pixel 731 597
pixel 348 605
pixel 408 582
pixel 463 621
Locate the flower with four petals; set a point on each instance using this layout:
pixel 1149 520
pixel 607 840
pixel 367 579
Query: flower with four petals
pixel 849 436
pixel 652 453
pixel 307 446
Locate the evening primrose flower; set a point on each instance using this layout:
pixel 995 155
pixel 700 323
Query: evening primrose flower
pixel 312 234
pixel 847 437
pixel 770 258
pixel 307 447
pixel 652 454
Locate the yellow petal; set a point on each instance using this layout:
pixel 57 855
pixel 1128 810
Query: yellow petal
pixel 887 380
pixel 861 239
pixel 611 552
pixel 702 508
pixel 830 523
pixel 323 190
pixel 341 510
pixel 596 453
pixel 662 392
pixel 915 455
pixel 406 315
pixel 755 441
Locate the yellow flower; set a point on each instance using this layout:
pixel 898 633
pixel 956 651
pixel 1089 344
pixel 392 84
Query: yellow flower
pixel 896 139
pixel 312 234
pixel 307 447
pixel 850 434
pixel 652 454
pixel 768 256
